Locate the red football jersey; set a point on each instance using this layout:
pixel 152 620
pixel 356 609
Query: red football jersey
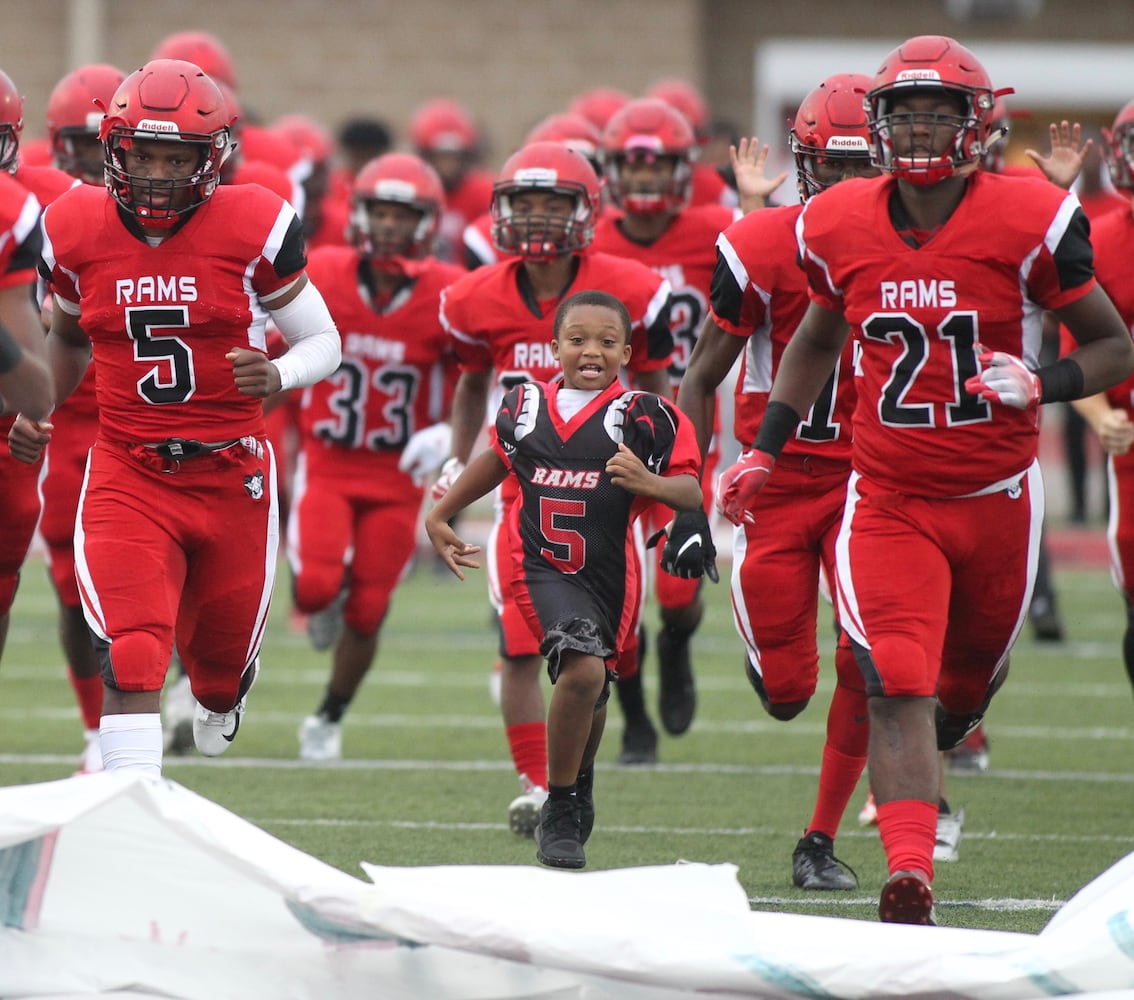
pixel 1012 248
pixel 684 254
pixel 495 326
pixel 46 183
pixel 1112 236
pixel 760 293
pixel 19 216
pixel 397 364
pixel 161 319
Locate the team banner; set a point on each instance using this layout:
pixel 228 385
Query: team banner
pixel 113 885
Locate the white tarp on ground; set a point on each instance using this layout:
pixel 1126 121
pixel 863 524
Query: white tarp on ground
pixel 133 888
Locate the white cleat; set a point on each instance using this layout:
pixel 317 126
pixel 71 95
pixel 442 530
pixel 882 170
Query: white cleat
pixel 213 732
pixel 948 845
pixel 523 811
pixel 320 739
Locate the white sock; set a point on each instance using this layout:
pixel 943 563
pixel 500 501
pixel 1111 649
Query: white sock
pixel 132 743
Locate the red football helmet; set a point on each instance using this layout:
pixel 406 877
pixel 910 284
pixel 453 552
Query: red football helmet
pixel 307 135
pixel 931 62
pixel 443 126
pixel 545 166
pixel 571 129
pixel 1120 148
pixel 830 125
pixel 407 180
pixel 11 122
pixel 598 104
pixel 649 129
pixel 167 100
pixel 201 49
pixel 687 99
pixel 74 112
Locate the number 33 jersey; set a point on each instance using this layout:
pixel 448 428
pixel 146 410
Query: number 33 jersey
pixel 161 319
pixel 397 370
pixel 1012 248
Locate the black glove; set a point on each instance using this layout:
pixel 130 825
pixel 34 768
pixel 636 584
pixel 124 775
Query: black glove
pixel 689 551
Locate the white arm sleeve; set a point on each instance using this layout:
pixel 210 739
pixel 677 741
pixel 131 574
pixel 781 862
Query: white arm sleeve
pixel 314 346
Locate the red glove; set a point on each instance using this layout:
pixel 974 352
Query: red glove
pixel 1005 379
pixel 740 484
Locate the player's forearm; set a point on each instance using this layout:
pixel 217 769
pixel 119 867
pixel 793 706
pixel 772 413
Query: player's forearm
pixel 809 359
pixel 680 492
pixel 27 387
pixel 470 400
pixel 1093 409
pixel 68 363
pixel 711 361
pixel 481 477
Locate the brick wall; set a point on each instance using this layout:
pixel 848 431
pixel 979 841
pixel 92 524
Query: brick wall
pixel 511 61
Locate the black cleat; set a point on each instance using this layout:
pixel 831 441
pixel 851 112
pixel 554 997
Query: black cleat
pixel 585 799
pixel 1046 623
pixel 677 698
pixel 558 840
pixel 954 728
pixel 639 744
pixel 814 865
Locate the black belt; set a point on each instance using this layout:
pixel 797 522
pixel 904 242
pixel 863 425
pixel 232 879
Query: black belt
pixel 179 449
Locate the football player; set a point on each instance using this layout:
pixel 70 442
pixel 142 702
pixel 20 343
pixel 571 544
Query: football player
pixel 1111 414
pixel 19 496
pixel 647 150
pixel 74 115
pixel 758 297
pixel 936 552
pixel 178 522
pixel 372 432
pixel 544 206
pixel 584 454
pixel 444 134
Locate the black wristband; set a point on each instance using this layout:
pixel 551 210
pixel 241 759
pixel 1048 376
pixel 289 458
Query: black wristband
pixel 1061 381
pixel 10 352
pixel 779 424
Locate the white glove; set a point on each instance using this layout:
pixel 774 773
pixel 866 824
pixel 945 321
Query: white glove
pixel 452 468
pixel 425 451
pixel 1005 379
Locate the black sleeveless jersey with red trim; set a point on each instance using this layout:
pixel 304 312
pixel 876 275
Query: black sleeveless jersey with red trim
pixel 570 519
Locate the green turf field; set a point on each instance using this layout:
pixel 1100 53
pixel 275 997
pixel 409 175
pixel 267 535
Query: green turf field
pixel 427 777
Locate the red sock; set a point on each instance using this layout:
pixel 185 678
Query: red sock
pixel 88 692
pixel 838 778
pixel 528 743
pixel 908 828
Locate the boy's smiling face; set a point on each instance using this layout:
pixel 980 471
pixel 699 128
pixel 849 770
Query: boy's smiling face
pixel 592 346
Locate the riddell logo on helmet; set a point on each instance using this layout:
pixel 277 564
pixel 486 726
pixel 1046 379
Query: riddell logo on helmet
pixel 847 142
pixel 917 74
pixel 535 176
pixel 154 125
